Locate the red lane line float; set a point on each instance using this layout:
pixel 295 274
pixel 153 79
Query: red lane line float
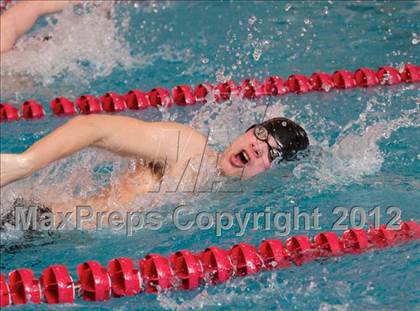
pixel 298 84
pixel 274 86
pixel 273 254
pixel 8 112
pixel 381 237
pixel 409 230
pixel 112 102
pixel 217 264
pixel 157 273
pixel 185 270
pixel 159 97
pixel 410 73
pixel 24 287
pixel 125 280
pixel 88 104
pixel 225 91
pixel 252 88
pixel 5 296
pixel 184 95
pixel 328 244
pixel 57 285
pixel 321 81
pixel 61 106
pixel 31 109
pixel 201 91
pixel 4 4
pixel 95 282
pixel 245 259
pixel 136 99
pixel 388 75
pixel 343 79
pixel 355 241
pixel 300 250
pixel 365 77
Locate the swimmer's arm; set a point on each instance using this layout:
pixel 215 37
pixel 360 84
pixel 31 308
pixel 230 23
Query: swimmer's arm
pixel 19 18
pixel 165 141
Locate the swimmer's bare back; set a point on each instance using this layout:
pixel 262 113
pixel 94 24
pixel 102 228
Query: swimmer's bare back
pixel 172 143
pixel 118 198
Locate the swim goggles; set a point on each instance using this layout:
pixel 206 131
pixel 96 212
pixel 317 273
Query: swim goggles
pixel 261 133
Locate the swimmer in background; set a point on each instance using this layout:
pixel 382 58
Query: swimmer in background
pixel 160 148
pixel 20 17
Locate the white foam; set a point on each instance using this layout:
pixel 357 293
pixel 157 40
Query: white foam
pixel 356 152
pixel 81 47
pixel 224 122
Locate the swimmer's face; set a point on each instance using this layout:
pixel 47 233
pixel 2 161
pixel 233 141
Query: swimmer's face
pixel 247 156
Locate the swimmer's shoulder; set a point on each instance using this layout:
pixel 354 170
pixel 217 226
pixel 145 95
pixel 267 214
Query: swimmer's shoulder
pixel 163 139
pixel 190 141
pixel 159 127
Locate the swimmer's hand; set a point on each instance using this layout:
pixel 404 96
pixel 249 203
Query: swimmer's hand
pixel 19 18
pixel 169 142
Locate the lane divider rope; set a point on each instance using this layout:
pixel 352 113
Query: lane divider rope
pixel 184 95
pixel 184 270
pixel 5 4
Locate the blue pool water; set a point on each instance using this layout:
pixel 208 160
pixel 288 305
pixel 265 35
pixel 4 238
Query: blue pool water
pixel 364 149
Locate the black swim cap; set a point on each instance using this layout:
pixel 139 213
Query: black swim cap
pixel 289 136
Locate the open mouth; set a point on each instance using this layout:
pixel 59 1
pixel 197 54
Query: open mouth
pixel 240 159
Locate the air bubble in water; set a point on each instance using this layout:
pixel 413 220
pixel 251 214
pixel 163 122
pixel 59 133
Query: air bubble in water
pixel 257 54
pixel 204 60
pixel 220 74
pixel 326 88
pixel 252 20
pixel 416 39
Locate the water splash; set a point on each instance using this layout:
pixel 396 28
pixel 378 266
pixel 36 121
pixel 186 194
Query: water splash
pixel 355 154
pixel 227 121
pixel 73 45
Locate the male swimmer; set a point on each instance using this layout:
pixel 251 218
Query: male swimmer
pixel 20 17
pixel 172 144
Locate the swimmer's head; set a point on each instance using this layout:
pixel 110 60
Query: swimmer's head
pixel 255 151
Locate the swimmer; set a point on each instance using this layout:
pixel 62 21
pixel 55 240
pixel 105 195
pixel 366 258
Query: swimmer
pixel 20 17
pixel 173 144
